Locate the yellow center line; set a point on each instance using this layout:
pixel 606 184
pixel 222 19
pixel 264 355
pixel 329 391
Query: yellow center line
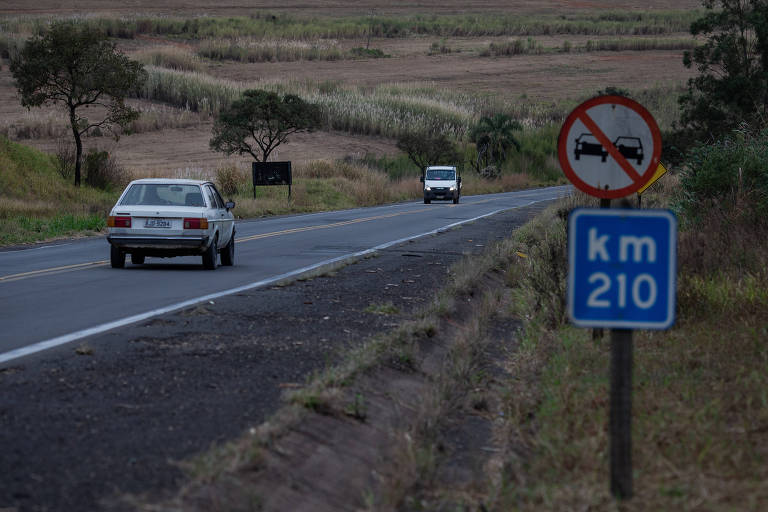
pixel 326 226
pixel 65 268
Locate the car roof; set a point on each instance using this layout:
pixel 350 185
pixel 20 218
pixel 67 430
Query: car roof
pixel 169 181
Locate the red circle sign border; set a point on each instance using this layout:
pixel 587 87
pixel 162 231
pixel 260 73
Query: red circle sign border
pixel 562 151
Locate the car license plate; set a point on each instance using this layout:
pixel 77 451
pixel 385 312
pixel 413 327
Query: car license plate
pixel 157 223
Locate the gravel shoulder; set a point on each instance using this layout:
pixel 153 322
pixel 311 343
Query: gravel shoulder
pixel 115 414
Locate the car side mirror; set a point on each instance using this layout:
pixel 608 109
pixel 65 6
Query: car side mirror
pixel 421 179
pixel 229 205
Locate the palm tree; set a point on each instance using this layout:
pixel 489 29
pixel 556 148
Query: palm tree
pixel 493 137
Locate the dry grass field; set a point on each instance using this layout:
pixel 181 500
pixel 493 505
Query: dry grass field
pixel 537 80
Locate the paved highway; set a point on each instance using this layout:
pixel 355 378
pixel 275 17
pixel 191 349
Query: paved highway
pixel 59 293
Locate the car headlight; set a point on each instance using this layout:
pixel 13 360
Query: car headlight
pixel 453 188
pixel 427 188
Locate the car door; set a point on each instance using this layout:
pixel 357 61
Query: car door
pixel 224 218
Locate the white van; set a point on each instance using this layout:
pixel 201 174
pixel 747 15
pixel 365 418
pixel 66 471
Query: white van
pixel 441 182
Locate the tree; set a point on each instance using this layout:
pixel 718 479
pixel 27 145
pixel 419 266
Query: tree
pixel 493 136
pixel 76 66
pixel 732 85
pixel 425 150
pixel 265 117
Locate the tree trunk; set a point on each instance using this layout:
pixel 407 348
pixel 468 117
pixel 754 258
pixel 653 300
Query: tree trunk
pixel 78 146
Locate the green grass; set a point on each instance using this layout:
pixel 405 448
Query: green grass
pixel 18 229
pixel 37 204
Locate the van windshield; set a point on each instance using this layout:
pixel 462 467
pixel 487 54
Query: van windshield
pixel 441 174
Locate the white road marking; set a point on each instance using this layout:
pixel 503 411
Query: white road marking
pixel 67 338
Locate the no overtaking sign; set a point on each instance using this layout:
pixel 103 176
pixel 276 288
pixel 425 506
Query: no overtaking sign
pixel 609 146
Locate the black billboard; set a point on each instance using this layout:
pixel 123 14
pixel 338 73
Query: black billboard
pixel 271 173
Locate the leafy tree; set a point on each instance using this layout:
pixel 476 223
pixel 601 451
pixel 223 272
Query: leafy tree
pixel 76 66
pixel 494 136
pixel 732 85
pixel 427 149
pixel 266 118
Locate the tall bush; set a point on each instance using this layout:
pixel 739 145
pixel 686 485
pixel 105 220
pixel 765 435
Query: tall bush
pixel 729 173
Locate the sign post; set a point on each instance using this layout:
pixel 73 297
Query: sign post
pixel 622 262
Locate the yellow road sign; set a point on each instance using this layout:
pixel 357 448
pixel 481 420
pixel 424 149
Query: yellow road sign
pixel 660 171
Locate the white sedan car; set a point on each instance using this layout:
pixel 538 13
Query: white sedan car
pixel 167 217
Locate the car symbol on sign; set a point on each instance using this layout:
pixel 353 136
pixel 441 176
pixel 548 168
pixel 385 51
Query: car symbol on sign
pixel 587 144
pixel 630 148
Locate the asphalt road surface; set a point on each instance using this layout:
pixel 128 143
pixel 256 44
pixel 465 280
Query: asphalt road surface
pixel 58 293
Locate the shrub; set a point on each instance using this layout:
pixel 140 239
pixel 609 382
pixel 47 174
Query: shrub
pixel 369 53
pixel 65 159
pixel 729 173
pixel 103 172
pixel 231 179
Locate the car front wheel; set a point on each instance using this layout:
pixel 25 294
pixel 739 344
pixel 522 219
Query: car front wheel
pixel 228 252
pixel 210 256
pixel 137 259
pixel 116 257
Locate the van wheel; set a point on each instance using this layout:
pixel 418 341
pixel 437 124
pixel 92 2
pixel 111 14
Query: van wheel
pixel 137 259
pixel 427 201
pixel 116 257
pixel 456 200
pixel 211 256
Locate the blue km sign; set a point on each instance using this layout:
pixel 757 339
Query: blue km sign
pixel 622 268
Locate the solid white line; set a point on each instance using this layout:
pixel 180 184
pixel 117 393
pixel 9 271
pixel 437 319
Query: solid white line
pixel 16 251
pixel 67 338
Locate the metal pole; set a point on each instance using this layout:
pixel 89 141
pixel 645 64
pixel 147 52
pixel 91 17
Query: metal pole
pixel 621 413
pixel 597 333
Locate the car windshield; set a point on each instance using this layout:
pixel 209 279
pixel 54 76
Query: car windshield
pixel 441 174
pixel 163 194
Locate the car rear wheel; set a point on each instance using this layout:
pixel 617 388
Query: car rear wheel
pixel 210 256
pixel 137 259
pixel 116 257
pixel 228 252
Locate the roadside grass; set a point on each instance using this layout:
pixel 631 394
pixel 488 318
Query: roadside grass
pixel 700 406
pixel 36 203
